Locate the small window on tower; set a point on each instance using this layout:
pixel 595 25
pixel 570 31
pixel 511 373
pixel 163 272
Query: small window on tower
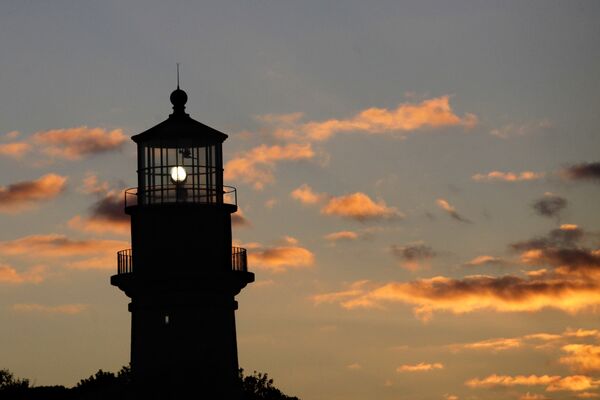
pixel 166 320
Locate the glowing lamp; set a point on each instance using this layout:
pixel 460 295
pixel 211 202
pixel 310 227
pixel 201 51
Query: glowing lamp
pixel 178 174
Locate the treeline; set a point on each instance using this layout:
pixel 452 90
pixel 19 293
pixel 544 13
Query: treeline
pixel 108 385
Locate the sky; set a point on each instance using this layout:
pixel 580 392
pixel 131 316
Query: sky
pixel 418 184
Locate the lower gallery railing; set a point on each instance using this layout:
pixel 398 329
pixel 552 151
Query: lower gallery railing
pixel 239 260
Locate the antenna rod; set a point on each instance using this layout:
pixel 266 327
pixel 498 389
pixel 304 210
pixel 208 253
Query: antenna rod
pixel 177 75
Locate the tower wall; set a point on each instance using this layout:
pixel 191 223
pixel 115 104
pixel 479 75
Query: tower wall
pixel 182 307
pixel 173 239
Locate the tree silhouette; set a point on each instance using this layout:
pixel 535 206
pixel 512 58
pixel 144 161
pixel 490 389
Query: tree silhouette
pixel 108 385
pixel 259 386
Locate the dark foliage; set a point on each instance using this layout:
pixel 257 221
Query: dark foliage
pixel 108 385
pixel 259 386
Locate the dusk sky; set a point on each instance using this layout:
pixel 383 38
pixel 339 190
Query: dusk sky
pixel 418 185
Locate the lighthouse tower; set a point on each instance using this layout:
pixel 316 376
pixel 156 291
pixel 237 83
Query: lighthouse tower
pixel 182 273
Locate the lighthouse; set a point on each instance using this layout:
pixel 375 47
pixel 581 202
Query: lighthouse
pixel 182 273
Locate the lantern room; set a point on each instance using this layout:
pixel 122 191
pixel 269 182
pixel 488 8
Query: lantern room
pixel 180 161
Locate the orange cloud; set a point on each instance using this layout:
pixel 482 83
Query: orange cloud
pixel 508 176
pixel 11 135
pixel 11 276
pixel 342 235
pixel 306 195
pixel 533 396
pixel 14 150
pixel 99 225
pixel 444 205
pixel 281 258
pixel 485 260
pixel 582 333
pixel 357 206
pixel 239 219
pixel 582 357
pixel 421 367
pixel 54 245
pixel 573 383
pixel 553 383
pixel 508 381
pixel 107 214
pixel 493 345
pixel 588 395
pixel 256 166
pixel 513 130
pixel 354 290
pixel 105 262
pixel 473 293
pixel 431 113
pixel 22 195
pixel 92 185
pixel 75 143
pixel 68 309
pixel 360 207
pixel 548 340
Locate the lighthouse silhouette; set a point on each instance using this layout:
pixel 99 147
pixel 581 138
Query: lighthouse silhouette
pixel 182 273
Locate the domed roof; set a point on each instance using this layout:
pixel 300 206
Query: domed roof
pixel 180 129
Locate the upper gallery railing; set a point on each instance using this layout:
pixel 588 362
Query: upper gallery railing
pixel 181 194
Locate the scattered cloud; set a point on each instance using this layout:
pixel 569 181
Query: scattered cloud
pixel 23 195
pixel 407 117
pixel 256 165
pixel 421 367
pixel 524 129
pixel 75 143
pixel 472 293
pixel 354 366
pixel 360 207
pixel 354 289
pixel 572 285
pixel 341 235
pixel 357 206
pixel 563 250
pixel 550 205
pixel 499 176
pixel 552 383
pixel 107 261
pixel 582 357
pixel 447 207
pixel 431 113
pixel 306 195
pixel 588 395
pixel 239 219
pixel 10 275
pixel 68 309
pixel 55 245
pixel 583 171
pixel 494 345
pixel 11 135
pixel 281 258
pixel 485 260
pixel 271 203
pixel 533 396
pixel 414 256
pixel 540 340
pixel 15 150
pixel 107 215
pixel 92 185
